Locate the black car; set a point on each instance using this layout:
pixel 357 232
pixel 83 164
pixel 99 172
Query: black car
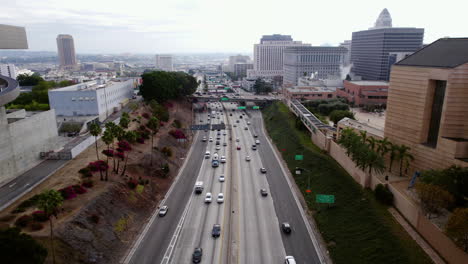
pixel 216 232
pixel 197 255
pixel 263 192
pixel 255 136
pixel 262 170
pixel 286 227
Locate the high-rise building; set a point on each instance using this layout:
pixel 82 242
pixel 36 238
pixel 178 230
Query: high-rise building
pixel 347 57
pixel 8 70
pixel 13 37
pixel 268 55
pixel 427 105
pixel 237 59
pixel 240 69
pixel 322 62
pixel 66 51
pixel 370 48
pixel 164 62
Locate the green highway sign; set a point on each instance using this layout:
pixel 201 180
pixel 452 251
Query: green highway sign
pixel 299 157
pixel 256 107
pixel 241 107
pixel 322 198
pixel 226 88
pixel 224 99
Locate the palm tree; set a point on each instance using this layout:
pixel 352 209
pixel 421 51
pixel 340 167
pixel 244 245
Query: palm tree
pixel 393 155
pixel 95 130
pixel 131 137
pixel 383 146
pixel 372 142
pixel 108 138
pixel 363 134
pixel 153 125
pixel 49 201
pixel 404 157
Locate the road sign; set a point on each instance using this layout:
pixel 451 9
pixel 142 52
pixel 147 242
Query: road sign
pixel 323 198
pixel 199 127
pixel 241 107
pixel 224 99
pixel 299 157
pixel 256 107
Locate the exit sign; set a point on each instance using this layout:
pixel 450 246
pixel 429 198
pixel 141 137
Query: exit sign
pixel 241 107
pixel 256 107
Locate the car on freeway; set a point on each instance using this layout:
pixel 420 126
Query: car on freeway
pixel 203 139
pixel 216 231
pixel 238 147
pixel 263 192
pixel 211 139
pixel 218 138
pixel 234 125
pixel 218 134
pixel 247 158
pixel 254 147
pixel 207 155
pixel 230 114
pixel 286 227
pixel 218 147
pixel 237 121
pixel 163 210
pixel 237 139
pixel 262 170
pixel 224 133
pixel 289 260
pixel 217 142
pixel 220 198
pixel 208 198
pixel 197 255
pixel 248 122
pixel 223 159
pixel 240 116
pixel 257 142
pixel 246 128
pixel 224 144
pixel 221 178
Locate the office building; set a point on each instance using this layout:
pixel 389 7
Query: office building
pixel 66 51
pixel 164 62
pixel 8 70
pixel 427 105
pixel 240 69
pixel 347 57
pixel 95 98
pixel 237 59
pixel 322 62
pixel 268 55
pixel 309 93
pixel 362 93
pixel 13 37
pixel 370 49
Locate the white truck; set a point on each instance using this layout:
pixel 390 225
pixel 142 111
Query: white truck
pixel 198 187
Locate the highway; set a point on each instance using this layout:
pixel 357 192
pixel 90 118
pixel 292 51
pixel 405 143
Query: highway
pixel 250 223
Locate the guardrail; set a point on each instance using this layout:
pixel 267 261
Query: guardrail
pixel 309 119
pixel 9 93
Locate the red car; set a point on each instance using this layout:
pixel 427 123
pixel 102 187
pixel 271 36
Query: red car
pixel 238 147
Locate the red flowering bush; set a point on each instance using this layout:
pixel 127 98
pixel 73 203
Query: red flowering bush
pixel 87 183
pixel 120 155
pixel 68 193
pixel 141 140
pixel 142 127
pixel 108 152
pixel 79 189
pixel 99 165
pixel 23 221
pixel 124 146
pixel 132 183
pixel 145 115
pixel 85 172
pixel 39 216
pixel 168 105
pixel 35 226
pixel 177 133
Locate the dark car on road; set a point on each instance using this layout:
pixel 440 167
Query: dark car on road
pixel 286 227
pixel 197 255
pixel 263 192
pixel 216 232
pixel 262 170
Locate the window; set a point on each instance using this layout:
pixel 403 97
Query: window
pixel 436 112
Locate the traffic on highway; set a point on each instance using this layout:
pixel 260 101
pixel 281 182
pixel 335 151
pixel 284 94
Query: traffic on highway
pixel 231 202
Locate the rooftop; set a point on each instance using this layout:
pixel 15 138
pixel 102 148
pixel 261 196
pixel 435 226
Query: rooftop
pixel 442 53
pixel 310 89
pixel 88 86
pixel 370 83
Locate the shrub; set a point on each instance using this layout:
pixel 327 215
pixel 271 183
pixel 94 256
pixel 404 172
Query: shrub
pixel 124 146
pixel 177 124
pixel 167 151
pixel 79 189
pixel 177 133
pixel 85 172
pixel 132 184
pixel 35 226
pixel 87 183
pixel 141 140
pixel 453 179
pixel 108 152
pixel 94 218
pixel 146 115
pixel 26 204
pixel 18 247
pixel 383 194
pixel 99 165
pixel 68 193
pixel 39 216
pixel 165 169
pixel 23 221
pixel 457 227
pixel 433 198
pixel 120 155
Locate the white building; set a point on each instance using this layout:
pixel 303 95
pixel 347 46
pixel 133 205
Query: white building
pixel 347 57
pixel 164 62
pixel 268 55
pixel 237 59
pixel 95 98
pixel 8 70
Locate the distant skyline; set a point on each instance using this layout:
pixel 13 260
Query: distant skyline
pixel 213 26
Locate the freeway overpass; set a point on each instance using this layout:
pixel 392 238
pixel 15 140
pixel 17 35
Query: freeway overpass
pixel 254 99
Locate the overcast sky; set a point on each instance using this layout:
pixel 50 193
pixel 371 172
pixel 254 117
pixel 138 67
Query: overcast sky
pixel 186 26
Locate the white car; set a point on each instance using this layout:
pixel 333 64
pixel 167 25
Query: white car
pixel 208 198
pixel 248 122
pixel 237 139
pixel 204 139
pixel 163 210
pixel 211 139
pixel 224 133
pixel 218 147
pixel 220 198
pixel 222 159
pixel 289 260
pixel 247 158
pixel 221 178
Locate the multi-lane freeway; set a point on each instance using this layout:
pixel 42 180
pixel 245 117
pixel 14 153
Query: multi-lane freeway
pixel 250 221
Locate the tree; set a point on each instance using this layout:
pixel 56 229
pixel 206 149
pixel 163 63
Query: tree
pixel 95 130
pixel 261 87
pixel 337 115
pixel 17 247
pixel 163 86
pixel 433 198
pixel 49 201
pixel 29 80
pixel 124 122
pixel 393 155
pixel 108 139
pixel 153 125
pixel 457 227
pixel 383 146
pixel 453 179
pixel 404 157
pixel 372 142
pixel 130 137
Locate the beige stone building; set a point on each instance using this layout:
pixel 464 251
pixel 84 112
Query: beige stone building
pixel 428 104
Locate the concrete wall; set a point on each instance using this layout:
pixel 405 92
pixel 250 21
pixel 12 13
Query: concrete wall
pixel 22 141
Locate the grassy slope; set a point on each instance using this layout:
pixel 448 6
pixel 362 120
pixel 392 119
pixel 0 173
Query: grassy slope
pixel 357 229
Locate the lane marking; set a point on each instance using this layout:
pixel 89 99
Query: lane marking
pixel 11 185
